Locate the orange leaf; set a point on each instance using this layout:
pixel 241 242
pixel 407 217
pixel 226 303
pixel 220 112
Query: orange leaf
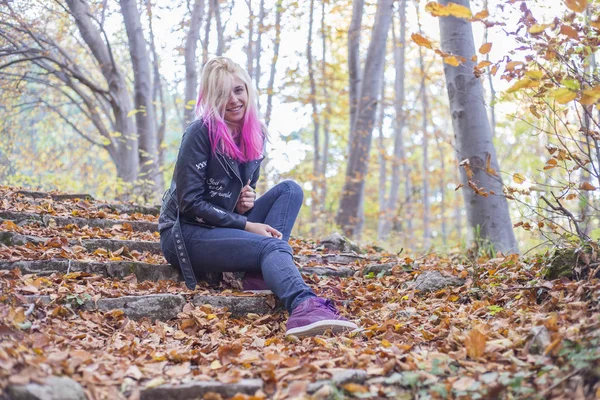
pixel 551 163
pixel 483 64
pixel 475 344
pixel 485 48
pixel 569 31
pixel 452 60
pixel 482 14
pixel 421 40
pixel 586 186
pixel 576 5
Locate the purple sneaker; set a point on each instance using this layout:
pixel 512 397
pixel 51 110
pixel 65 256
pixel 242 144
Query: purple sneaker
pixel 254 282
pixel 316 315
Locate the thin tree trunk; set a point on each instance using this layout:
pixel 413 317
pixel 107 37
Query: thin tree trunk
pixel 487 215
pixel 158 102
pixel 399 158
pixel 191 63
pixel 259 34
pixel 381 158
pixel 270 85
pixel 315 118
pixel 425 147
pixel 220 31
pixel 326 113
pixel 361 134
pixel 354 57
pixel 207 33
pixel 250 45
pixel 490 81
pixel 144 116
pixel 442 189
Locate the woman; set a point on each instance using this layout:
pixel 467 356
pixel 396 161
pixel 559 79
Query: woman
pixel 211 221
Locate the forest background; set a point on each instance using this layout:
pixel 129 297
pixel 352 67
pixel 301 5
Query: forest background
pixel 95 97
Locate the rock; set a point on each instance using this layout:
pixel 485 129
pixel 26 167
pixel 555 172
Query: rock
pixel 379 268
pixel 540 339
pixel 53 388
pixel 156 306
pixel 241 305
pixel 16 239
pixel 342 272
pixel 338 378
pixel 45 219
pixel 55 196
pixel 196 390
pixel 114 245
pixel 432 281
pixel 337 242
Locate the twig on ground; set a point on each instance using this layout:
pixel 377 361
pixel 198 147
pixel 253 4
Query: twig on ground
pixel 560 382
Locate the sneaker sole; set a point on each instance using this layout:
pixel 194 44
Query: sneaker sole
pixel 319 327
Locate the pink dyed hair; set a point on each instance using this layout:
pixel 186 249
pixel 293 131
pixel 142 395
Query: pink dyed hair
pixel 213 94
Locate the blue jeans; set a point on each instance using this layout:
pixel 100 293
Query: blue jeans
pixel 233 250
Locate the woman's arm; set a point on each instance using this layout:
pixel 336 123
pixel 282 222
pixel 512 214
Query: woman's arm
pixel 190 178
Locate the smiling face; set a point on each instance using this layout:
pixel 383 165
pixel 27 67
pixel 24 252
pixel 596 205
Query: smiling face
pixel 237 102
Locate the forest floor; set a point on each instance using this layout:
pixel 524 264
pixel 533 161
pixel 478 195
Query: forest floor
pixel 432 326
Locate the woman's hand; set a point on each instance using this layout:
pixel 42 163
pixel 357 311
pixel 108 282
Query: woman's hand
pixel 246 200
pixel 262 229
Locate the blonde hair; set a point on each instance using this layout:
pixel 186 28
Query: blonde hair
pixel 216 84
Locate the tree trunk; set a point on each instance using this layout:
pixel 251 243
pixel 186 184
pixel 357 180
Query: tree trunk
pixel 399 156
pixel 250 45
pixel 442 189
pixel 220 30
pixel 361 134
pixel 490 81
pixel 144 116
pixel 205 42
pixel 315 118
pixel 381 158
pixel 326 113
pixel 487 215
pixel 259 34
pixel 270 86
pixel 123 148
pixel 425 147
pixel 354 57
pixel 158 102
pixel 191 63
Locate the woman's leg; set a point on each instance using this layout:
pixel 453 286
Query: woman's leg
pixel 279 207
pixel 232 250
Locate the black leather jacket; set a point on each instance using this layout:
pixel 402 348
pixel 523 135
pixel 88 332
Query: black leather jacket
pixel 205 187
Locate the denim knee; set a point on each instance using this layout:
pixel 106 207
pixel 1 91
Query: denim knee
pixel 294 188
pixel 271 245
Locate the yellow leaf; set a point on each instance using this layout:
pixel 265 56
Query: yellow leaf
pixel 452 60
pixel 385 343
pixel 537 29
pixel 459 11
pixel 319 341
pixel 564 95
pixel 436 9
pixel 576 5
pixel 155 382
pixel 355 388
pixel 511 65
pixel 521 84
pixel 534 75
pixel 475 344
pixel 518 178
pixel 586 186
pixel 215 364
pixel 590 96
pixel 421 40
pixel 483 64
pixel 485 48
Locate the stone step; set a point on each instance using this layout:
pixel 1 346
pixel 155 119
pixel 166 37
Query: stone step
pixel 121 208
pixel 49 220
pixel 113 269
pixel 164 307
pixel 198 389
pixel 9 238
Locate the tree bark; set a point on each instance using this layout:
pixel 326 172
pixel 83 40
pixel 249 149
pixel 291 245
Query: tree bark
pixel 425 147
pixel 354 56
pixel 382 162
pixel 487 215
pixel 220 29
pixel 144 116
pixel 442 189
pixel 361 134
pixel 250 45
pixel 191 62
pixel 270 85
pixel 259 34
pixel 158 102
pixel 207 32
pixel 315 118
pixel 124 141
pixel 326 113
pixel 399 158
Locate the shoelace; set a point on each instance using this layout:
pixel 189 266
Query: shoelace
pixel 329 305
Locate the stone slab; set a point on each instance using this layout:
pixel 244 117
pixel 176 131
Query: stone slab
pixel 53 388
pixel 197 390
pixel 241 305
pixel 155 306
pixel 45 219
